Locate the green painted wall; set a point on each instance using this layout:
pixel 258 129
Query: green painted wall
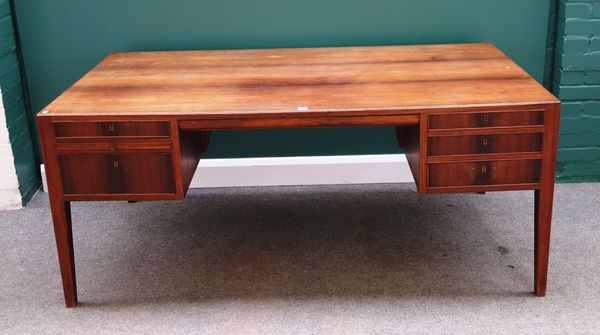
pixel 62 39
pixel 577 84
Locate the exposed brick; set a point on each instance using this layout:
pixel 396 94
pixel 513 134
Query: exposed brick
pixel 579 92
pixel 15 111
pixel 576 10
pixel 591 110
pixel 569 141
pixel 590 125
pixel 25 165
pixel 561 169
pixel 571 109
pixel 580 62
pixel 581 27
pixel 588 139
pixel 12 95
pixel 15 129
pixel 574 44
pixel 4 8
pixel 579 126
pixel 7 45
pixel 592 78
pixel 595 44
pixel 579 154
pixel 21 145
pixel 29 187
pixel 587 168
pixel 579 171
pixel 6 26
pixel 8 61
pixel 10 76
pixel 568 126
pixel 579 142
pixel 571 78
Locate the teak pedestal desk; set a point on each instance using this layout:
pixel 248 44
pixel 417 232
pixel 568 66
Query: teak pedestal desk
pixel 135 127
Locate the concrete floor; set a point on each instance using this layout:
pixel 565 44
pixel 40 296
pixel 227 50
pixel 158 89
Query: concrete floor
pixel 357 259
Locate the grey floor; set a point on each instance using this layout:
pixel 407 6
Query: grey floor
pixel 371 259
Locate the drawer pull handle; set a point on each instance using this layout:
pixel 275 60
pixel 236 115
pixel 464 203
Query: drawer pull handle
pixel 486 118
pixel 111 127
pixel 485 141
pixel 484 169
pixel 116 164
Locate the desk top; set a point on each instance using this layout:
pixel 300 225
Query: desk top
pixel 248 83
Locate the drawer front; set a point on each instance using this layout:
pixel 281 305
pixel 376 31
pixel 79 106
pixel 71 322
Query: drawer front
pixel 484 173
pixel 485 119
pixel 114 146
pixel 140 173
pixel 484 144
pixel 120 128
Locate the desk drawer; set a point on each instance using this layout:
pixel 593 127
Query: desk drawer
pixel 484 144
pixel 117 128
pixel 113 146
pixel 139 173
pixel 485 119
pixel 458 174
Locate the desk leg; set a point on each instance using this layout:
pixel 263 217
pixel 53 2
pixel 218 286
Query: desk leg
pixel 543 220
pixel 61 217
pixel 544 198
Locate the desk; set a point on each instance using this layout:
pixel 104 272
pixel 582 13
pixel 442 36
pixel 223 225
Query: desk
pixel 136 125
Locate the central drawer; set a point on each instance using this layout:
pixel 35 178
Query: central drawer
pixel 484 144
pixel 456 174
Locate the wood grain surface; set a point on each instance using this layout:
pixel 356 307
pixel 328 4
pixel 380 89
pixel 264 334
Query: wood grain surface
pixel 300 81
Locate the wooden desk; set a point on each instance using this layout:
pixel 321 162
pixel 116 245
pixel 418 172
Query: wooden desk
pixel 135 127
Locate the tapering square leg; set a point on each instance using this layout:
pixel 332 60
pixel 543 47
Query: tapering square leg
pixel 61 217
pixel 543 221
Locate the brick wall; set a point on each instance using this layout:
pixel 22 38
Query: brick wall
pixel 14 112
pixel 577 84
